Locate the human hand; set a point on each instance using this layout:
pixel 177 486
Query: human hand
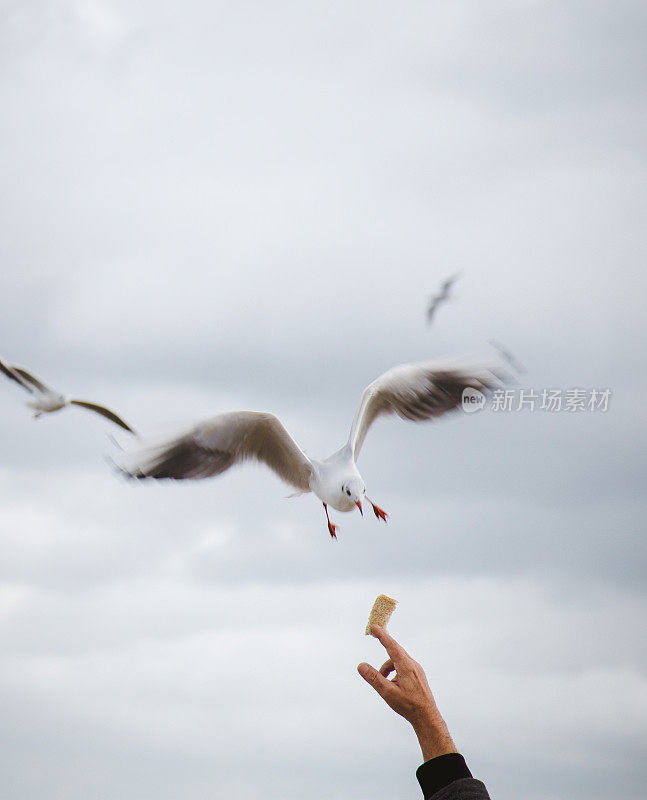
pixel 409 695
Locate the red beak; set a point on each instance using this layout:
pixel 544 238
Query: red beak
pixel 359 505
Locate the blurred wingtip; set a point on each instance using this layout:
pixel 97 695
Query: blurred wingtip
pixel 509 357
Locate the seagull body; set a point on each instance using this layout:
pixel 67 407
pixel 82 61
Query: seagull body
pixel 45 400
pixel 329 475
pixel 415 392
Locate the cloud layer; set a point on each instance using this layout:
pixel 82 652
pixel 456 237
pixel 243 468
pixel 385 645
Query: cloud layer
pixel 216 206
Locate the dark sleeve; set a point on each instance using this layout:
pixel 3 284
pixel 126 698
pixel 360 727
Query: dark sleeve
pixel 448 778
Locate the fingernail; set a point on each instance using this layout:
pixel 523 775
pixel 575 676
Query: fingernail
pixel 363 670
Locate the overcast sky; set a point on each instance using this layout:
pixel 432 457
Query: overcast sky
pixel 208 206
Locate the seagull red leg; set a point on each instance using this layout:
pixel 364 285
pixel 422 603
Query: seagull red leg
pixel 332 528
pixel 379 512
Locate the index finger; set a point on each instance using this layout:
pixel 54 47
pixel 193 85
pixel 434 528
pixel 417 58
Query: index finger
pixel 393 648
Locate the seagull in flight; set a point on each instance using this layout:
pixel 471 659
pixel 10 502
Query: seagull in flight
pixel 46 400
pixel 416 392
pixel 442 296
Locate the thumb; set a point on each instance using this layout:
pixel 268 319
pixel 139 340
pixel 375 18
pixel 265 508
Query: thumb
pixel 372 676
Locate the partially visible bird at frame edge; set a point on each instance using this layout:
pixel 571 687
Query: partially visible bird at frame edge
pixel 45 400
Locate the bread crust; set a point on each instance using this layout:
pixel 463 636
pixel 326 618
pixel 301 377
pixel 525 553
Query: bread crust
pixel 381 612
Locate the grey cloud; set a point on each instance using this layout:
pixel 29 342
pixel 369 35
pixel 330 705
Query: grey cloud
pixel 215 207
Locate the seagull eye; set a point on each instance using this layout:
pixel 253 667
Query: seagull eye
pixel 348 492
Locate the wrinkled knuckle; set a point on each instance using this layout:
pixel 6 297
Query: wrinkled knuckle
pixel 418 670
pixel 371 676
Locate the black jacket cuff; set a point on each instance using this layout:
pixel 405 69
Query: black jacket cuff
pixel 439 772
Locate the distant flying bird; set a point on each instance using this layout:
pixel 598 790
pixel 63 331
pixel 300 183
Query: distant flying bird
pixel 412 391
pixel 45 400
pixel 441 297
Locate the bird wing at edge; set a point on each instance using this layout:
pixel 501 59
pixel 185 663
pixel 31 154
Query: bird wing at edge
pixel 31 379
pixel 13 374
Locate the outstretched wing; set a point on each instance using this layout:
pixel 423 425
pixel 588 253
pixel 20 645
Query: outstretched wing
pixel 106 412
pixel 216 444
pixel 13 374
pixel 31 379
pixel 420 391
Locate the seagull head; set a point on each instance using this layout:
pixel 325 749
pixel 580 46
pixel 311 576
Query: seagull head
pixel 352 493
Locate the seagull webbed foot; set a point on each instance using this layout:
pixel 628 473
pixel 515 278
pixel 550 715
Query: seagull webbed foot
pixel 332 528
pixel 380 513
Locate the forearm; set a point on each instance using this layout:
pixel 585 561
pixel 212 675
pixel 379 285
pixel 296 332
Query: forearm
pixel 444 774
pixel 433 736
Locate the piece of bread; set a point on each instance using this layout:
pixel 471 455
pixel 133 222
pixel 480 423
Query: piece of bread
pixel 381 612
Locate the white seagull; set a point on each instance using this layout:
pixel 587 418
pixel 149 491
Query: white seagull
pixel 46 400
pixel 412 391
